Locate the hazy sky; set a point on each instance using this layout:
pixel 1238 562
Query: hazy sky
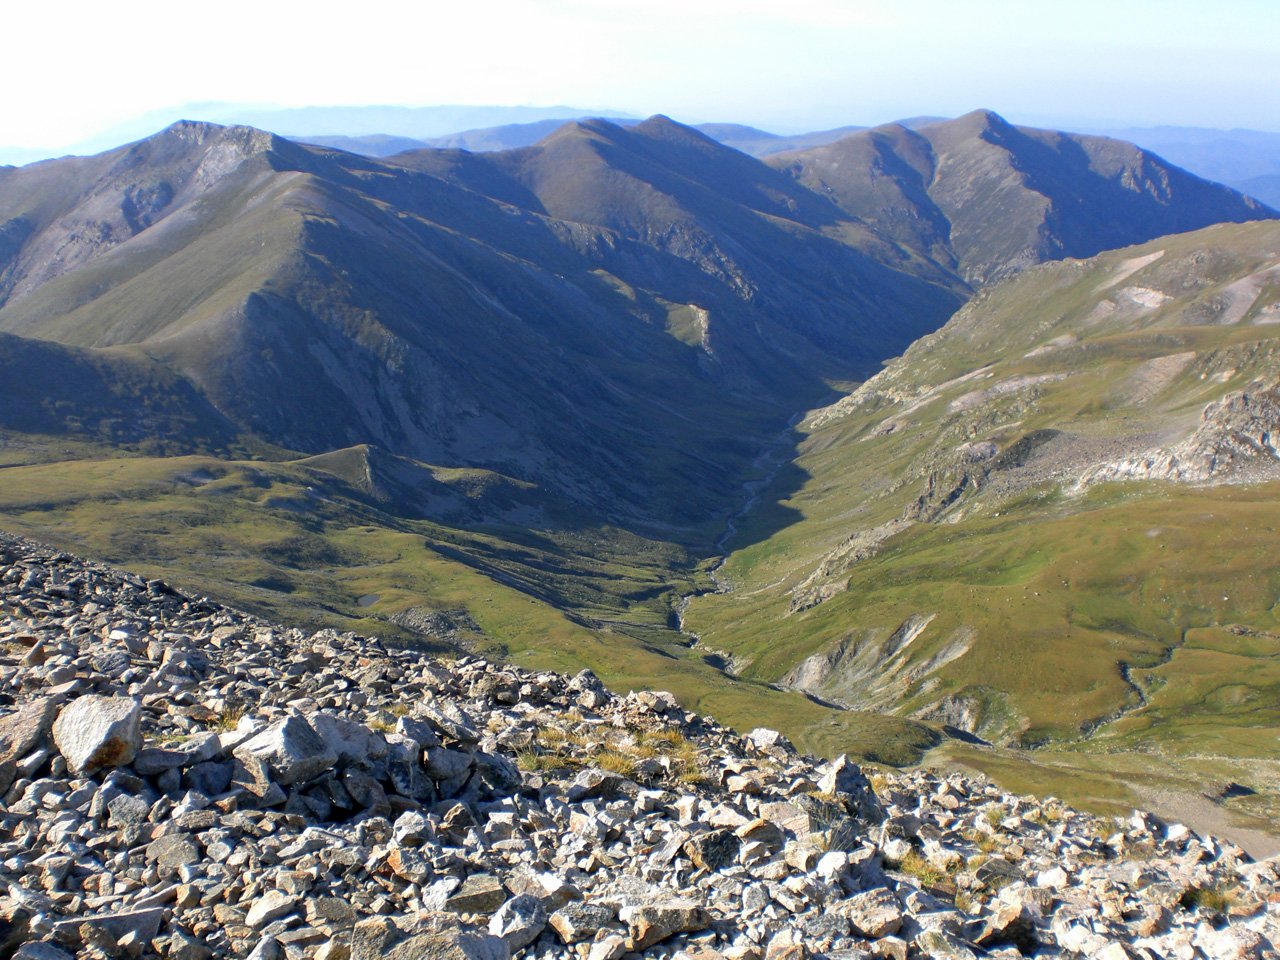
pixel 75 70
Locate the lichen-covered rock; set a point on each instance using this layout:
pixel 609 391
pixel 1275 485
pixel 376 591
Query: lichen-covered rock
pixel 653 923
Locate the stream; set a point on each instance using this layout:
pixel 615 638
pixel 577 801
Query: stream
pixel 775 456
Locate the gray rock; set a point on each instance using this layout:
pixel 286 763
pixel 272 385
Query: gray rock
pixel 127 811
pixel 290 750
pixel 152 760
pixel 93 732
pixel 210 778
pixel 270 906
pixel 141 926
pixel 843 778
pixel 874 914
pixel 445 764
pixel 173 850
pixel 713 850
pixel 581 920
pixel 435 939
pixel 268 948
pixel 42 950
pixel 423 733
pixel 519 921
pixel 351 742
pixel 23 732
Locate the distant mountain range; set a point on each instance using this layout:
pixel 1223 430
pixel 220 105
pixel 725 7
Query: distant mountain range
pixel 315 299
pixel 1247 160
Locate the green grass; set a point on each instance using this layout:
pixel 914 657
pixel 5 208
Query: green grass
pixel 250 534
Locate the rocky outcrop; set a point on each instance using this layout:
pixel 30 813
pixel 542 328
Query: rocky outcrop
pixel 1237 440
pixel 316 795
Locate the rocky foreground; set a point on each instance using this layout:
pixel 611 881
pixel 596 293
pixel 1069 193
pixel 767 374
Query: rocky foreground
pixel 182 780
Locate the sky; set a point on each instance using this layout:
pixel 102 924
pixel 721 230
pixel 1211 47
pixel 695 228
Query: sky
pixel 77 73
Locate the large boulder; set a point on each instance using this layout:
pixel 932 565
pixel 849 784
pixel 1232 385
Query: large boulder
pixel 290 749
pixel 93 732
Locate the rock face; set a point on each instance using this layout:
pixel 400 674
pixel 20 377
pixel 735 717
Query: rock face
pixel 93 732
pixel 1236 441
pixel 318 797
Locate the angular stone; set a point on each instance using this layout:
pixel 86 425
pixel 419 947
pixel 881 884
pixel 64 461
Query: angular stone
pixel 153 760
pixel 141 926
pixel 351 742
pixel 23 732
pixel 761 831
pixel 519 921
pixel 182 946
pixel 1009 923
pixel 268 948
pixel 437 938
pixel 874 914
pixel 479 893
pixel 291 751
pixel 450 720
pixel 937 945
pixel 173 850
pixel 653 923
pixel 713 850
pixel 593 783
pixel 270 906
pixel 552 890
pixel 445 764
pixel 843 778
pixel 93 732
pixel 581 920
pixel 42 950
pixel 611 947
pixel 423 733
pixel 767 739
pixel 412 829
pixel 127 811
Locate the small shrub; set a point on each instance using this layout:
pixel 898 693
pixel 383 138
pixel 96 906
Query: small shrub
pixel 1209 899
pixel 915 865
pixel 616 761
pixel 229 717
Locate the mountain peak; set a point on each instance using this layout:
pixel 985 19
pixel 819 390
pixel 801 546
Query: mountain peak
pixel 981 120
pixel 249 140
pixel 662 127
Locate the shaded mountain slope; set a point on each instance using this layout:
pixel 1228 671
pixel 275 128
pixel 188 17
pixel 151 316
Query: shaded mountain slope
pixel 996 198
pixel 318 300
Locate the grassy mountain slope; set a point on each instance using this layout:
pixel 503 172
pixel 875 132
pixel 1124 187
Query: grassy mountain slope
pixel 1050 522
pixel 991 198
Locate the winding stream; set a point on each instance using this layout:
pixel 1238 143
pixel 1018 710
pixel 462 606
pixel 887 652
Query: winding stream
pixel 775 456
